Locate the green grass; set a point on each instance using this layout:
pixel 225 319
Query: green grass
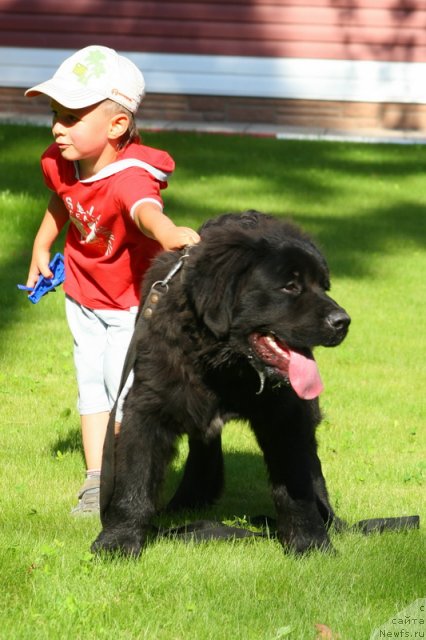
pixel 365 205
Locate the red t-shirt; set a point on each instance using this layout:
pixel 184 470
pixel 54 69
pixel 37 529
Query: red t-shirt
pixel 106 254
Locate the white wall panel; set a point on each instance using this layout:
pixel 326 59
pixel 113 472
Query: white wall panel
pixel 291 78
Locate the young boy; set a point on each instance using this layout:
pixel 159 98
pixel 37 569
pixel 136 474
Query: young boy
pixel 107 184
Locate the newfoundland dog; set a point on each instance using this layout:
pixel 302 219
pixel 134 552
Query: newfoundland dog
pixel 227 331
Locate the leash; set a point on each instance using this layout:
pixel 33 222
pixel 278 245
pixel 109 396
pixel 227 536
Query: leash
pixel 157 290
pixel 265 527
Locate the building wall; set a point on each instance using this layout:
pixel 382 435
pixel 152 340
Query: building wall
pixel 280 62
pixel 387 30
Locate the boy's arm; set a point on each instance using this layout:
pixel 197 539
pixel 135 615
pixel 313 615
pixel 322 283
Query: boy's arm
pixel 155 224
pixel 54 219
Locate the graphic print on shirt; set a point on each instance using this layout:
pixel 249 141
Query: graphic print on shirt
pixel 88 225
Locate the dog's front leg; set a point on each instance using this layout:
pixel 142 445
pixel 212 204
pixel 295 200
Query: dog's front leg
pixel 321 494
pixel 143 451
pixel 300 526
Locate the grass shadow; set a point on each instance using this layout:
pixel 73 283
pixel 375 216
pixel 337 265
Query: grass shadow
pixel 246 490
pixel 68 443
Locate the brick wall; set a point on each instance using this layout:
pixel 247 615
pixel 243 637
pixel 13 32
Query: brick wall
pixel 345 116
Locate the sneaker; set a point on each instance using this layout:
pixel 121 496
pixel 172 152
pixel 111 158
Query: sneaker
pixel 88 498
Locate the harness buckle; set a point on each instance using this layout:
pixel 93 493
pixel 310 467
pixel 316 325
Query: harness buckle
pixel 159 287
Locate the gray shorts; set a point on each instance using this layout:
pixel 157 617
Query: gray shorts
pixel 101 338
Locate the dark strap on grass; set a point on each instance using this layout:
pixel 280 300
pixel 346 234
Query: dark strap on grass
pixel 379 525
pixel 204 530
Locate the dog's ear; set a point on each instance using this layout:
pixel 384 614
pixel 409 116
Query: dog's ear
pixel 217 311
pixel 215 273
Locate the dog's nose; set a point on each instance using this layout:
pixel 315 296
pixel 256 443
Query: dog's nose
pixel 338 320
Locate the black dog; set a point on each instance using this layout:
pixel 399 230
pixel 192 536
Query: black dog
pixel 232 336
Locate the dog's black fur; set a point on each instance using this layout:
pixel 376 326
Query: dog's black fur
pixel 202 359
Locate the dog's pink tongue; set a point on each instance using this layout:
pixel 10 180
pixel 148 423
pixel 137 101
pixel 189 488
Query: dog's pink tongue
pixel 304 376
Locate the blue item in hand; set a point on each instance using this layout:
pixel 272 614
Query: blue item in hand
pixel 45 285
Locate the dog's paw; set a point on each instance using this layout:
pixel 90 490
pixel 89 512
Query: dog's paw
pixel 302 542
pixel 118 541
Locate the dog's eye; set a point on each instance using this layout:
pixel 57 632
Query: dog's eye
pixel 293 287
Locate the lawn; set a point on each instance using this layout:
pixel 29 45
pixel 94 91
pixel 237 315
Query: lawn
pixel 365 205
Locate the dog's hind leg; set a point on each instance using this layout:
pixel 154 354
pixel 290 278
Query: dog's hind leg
pixel 202 480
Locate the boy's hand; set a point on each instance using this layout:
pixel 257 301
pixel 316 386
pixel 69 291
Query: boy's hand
pixel 179 237
pixel 155 224
pixel 39 265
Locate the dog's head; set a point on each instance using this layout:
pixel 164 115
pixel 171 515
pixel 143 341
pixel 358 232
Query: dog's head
pixel 260 284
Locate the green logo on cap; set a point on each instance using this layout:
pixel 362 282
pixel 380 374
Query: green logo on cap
pixel 93 66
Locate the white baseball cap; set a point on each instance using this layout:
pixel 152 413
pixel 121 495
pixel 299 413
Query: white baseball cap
pixel 91 75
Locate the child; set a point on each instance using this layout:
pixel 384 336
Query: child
pixel 107 184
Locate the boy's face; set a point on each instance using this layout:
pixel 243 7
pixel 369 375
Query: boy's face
pixel 81 134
